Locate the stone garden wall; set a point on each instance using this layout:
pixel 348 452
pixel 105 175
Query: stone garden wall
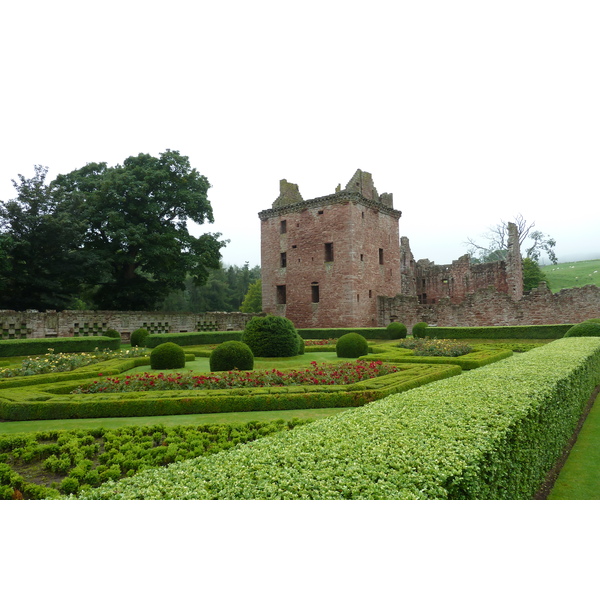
pixel 68 323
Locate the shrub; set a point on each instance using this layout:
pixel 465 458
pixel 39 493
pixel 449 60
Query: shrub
pixel 167 356
pixel 112 333
pixel 69 485
pixel 418 329
pixel 231 355
pixel 271 336
pixel 396 331
pixel 351 345
pixel 138 337
pixel 301 346
pixel 585 329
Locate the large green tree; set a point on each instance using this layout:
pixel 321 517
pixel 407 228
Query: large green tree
pixel 224 290
pixel 253 299
pixel 136 224
pixel 43 264
pixel 532 274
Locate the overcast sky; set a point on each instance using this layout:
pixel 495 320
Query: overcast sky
pixel 468 112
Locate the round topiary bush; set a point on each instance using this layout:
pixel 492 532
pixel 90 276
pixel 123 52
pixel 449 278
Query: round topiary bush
pixel 138 337
pixel 585 329
pixel 167 356
pixel 418 329
pixel 396 331
pixel 231 355
pixel 351 345
pixel 112 333
pixel 271 336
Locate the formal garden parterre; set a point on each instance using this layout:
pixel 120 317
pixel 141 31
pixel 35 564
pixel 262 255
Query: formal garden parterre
pixel 476 424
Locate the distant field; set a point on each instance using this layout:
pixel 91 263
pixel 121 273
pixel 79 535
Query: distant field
pixel 572 274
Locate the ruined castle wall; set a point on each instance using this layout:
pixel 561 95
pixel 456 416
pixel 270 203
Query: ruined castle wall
pixel 490 307
pixel 68 323
pixel 456 281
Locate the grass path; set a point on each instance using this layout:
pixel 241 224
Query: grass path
pixel 167 420
pixel 579 479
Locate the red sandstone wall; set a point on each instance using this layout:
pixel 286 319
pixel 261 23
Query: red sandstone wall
pixel 489 307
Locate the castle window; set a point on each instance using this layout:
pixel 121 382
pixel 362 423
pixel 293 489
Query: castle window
pixel 281 294
pixel 380 256
pixel 283 260
pixel 358 297
pixel 370 293
pixel 320 212
pixel 362 257
pixel 315 291
pixel 283 226
pixel 329 252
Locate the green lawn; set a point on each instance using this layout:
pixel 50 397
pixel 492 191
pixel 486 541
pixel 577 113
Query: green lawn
pixel 201 365
pixel 167 420
pixel 579 479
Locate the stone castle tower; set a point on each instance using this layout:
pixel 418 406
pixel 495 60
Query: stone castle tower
pixel 326 260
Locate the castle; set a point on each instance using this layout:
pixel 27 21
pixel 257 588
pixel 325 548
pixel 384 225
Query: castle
pixel 338 261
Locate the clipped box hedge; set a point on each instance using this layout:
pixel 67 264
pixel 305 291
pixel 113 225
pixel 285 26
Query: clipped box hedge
pixel 193 338
pixel 53 400
pixel 492 433
pixel 35 346
pixel 370 333
pixel 520 332
pixel 475 359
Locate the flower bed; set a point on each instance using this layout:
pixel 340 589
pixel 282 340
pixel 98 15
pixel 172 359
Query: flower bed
pixel 325 374
pixel 51 398
pixel 63 362
pixel 429 347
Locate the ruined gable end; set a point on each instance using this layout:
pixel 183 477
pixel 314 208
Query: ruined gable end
pixel 288 194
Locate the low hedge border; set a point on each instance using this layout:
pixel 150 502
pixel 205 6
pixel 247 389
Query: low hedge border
pixel 193 338
pixel 35 346
pixel 48 401
pixel 522 332
pixel 370 333
pixel 473 360
pixel 492 433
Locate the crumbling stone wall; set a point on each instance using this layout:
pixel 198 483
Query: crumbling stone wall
pixel 492 307
pixel 431 283
pixel 68 323
pixel 324 261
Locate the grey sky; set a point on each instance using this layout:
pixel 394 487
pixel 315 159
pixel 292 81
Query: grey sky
pixel 468 112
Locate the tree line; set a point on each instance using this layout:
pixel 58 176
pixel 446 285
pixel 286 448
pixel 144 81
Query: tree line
pixel 115 238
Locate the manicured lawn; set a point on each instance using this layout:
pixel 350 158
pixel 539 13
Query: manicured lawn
pixel 579 479
pixel 167 420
